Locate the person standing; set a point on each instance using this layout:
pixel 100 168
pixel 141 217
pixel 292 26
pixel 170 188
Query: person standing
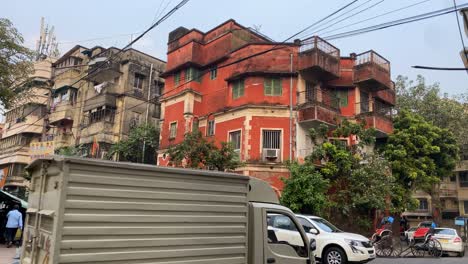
pixel 14 221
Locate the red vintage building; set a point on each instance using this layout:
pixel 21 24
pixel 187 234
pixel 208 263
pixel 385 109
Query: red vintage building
pixel 248 102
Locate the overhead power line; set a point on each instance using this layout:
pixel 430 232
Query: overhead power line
pixel 379 16
pixel 398 22
pixel 162 19
pixel 350 16
pixel 337 17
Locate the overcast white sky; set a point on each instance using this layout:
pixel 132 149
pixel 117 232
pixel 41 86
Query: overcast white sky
pixel 433 42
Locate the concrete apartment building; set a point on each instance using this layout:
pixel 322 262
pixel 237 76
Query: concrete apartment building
pixel 248 103
pixel 108 102
pixel 89 103
pixel 23 126
pixel 453 194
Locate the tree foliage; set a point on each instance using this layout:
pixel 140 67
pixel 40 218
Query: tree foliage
pixel 305 190
pixel 421 155
pixel 131 149
pixel 442 111
pixel 15 62
pixel 199 153
pixel 340 181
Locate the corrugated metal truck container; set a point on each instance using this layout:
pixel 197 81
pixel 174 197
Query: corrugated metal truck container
pixel 93 211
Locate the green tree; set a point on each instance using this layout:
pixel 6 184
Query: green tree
pixel 131 149
pixel 305 190
pixel 421 155
pixel 340 181
pixel 15 62
pixel 440 110
pixel 198 153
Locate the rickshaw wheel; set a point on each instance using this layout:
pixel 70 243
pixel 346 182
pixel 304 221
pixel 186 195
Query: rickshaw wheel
pixel 418 250
pixel 384 247
pixel 434 248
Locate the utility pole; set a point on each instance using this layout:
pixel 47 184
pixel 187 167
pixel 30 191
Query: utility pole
pixel 147 111
pixel 45 124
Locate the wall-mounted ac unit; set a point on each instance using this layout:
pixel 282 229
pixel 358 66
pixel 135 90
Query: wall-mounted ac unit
pixel 271 154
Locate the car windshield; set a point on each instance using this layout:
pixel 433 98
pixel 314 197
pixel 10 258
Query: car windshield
pixel 325 225
pixel 450 232
pixel 412 229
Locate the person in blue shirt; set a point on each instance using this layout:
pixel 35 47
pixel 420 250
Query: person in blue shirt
pixel 14 221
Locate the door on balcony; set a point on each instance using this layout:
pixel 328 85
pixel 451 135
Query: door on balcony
pixel 364 104
pixel 310 92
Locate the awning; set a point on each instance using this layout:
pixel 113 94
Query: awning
pixel 5 195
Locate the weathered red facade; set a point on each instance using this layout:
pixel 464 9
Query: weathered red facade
pixel 248 102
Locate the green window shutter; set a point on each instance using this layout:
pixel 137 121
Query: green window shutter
pixel 343 97
pixel 188 74
pixel 277 87
pixel 237 89
pixel 241 88
pixel 273 86
pixel 177 78
pixel 267 86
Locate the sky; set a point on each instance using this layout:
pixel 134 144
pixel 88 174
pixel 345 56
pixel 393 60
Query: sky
pixel 433 42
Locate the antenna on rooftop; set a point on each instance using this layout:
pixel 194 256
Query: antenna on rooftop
pixel 47 45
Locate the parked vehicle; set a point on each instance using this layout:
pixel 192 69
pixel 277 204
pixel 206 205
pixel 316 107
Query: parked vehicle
pixel 450 240
pixel 426 224
pixel 93 211
pixel 409 234
pixel 335 246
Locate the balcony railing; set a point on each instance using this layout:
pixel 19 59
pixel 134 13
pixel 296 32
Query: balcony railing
pixel 102 70
pixel 372 71
pixel 318 59
pixel 448 192
pixel 376 115
pixel 318 106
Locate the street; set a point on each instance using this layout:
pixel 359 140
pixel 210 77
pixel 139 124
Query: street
pixel 444 260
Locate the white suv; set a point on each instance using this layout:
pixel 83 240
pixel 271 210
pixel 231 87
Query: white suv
pixel 335 246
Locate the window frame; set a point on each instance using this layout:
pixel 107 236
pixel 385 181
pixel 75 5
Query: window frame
pixel 230 133
pixel 280 143
pixel 138 80
pixel 177 78
pixel 172 133
pixel 238 89
pixel 192 74
pixel 214 73
pixel 423 201
pixel 342 95
pixel 210 133
pixel 269 82
pixel 305 240
pixel 464 183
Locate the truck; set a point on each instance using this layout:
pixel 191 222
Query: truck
pixel 84 211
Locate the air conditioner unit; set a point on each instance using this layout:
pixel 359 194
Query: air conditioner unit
pixel 271 154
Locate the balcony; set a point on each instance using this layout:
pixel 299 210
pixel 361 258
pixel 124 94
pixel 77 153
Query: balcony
pixel 319 60
pixel 448 193
pixel 63 140
pixel 100 70
pixel 63 112
pixel 318 106
pixel 378 118
pixel 387 95
pixel 372 71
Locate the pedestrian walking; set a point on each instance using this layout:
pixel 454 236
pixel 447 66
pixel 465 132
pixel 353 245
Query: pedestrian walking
pixel 14 221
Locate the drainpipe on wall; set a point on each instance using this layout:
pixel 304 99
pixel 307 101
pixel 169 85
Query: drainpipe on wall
pixel 291 110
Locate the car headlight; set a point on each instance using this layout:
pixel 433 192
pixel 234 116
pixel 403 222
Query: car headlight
pixel 354 243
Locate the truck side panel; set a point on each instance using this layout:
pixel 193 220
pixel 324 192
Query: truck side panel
pixel 132 215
